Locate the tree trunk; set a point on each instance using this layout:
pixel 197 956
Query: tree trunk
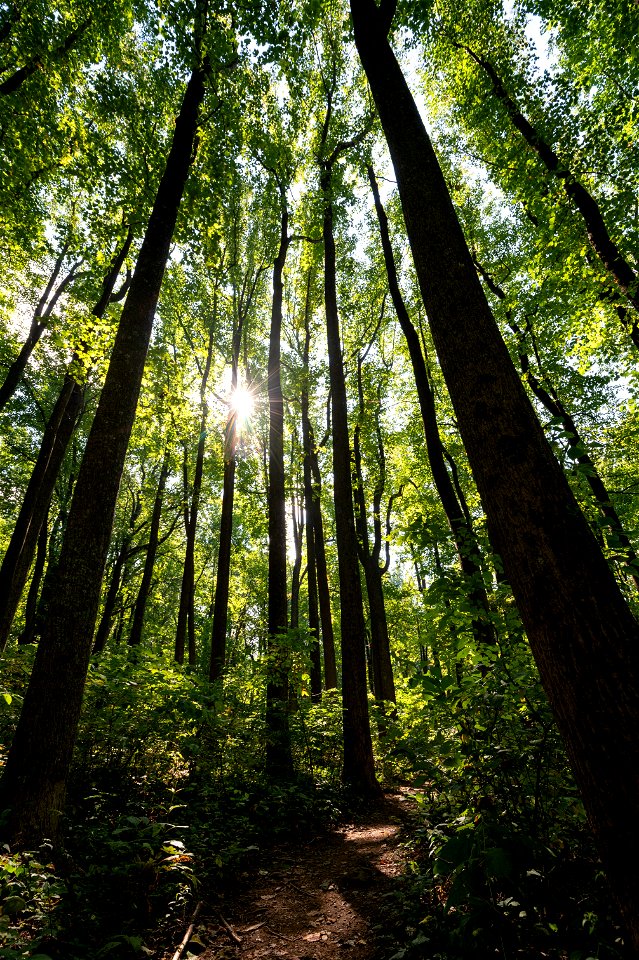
pixel 323 589
pixel 382 668
pixel 28 633
pixel 616 536
pixel 602 243
pixel 15 81
pixel 55 441
pixel 39 323
pixel 459 523
pixel 279 761
pixel 359 765
pixel 135 637
pixel 37 768
pixel 222 579
pixel 186 613
pixel 583 636
pixel 311 557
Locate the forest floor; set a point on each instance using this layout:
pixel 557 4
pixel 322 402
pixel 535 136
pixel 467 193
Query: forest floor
pixel 314 900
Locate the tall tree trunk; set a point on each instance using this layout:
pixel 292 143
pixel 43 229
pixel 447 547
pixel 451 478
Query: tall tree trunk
pixel 583 636
pixel 311 557
pixel 222 579
pixel 369 553
pixel 458 521
pixel 55 442
pixel 186 612
pixel 616 536
pixel 279 761
pixel 37 768
pixel 28 633
pixel 359 764
pixel 323 589
pixel 135 636
pixel 604 246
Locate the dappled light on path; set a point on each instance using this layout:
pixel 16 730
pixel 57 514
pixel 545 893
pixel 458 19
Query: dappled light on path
pixel 319 899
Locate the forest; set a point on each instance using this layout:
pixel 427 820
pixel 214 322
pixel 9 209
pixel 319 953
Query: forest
pixel 319 478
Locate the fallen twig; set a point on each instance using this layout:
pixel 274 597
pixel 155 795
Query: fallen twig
pixel 229 929
pixel 189 933
pixel 281 935
pixel 256 926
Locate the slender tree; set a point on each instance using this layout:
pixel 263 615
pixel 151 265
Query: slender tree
pixel 278 752
pixel 35 776
pixel 359 764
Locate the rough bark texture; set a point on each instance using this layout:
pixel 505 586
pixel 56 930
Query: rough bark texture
pixel 35 776
pixel 583 636
pixel 359 765
pixel 278 750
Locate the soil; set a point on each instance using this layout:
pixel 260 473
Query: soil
pixel 318 900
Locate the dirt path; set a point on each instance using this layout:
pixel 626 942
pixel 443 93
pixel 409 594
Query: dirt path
pixel 317 900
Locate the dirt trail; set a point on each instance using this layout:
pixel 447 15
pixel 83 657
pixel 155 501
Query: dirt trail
pixel 315 900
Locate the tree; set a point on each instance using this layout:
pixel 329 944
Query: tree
pixel 581 631
pixel 34 781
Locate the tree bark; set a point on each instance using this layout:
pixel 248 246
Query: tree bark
pixel 35 776
pixel 279 761
pixel 39 323
pixel 583 636
pixel 311 556
pixel 31 608
pixel 243 301
pixel 55 442
pixel 144 591
pixel 459 523
pixel 359 764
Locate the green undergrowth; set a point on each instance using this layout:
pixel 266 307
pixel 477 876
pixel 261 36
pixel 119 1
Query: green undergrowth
pixel 501 862
pixel 168 803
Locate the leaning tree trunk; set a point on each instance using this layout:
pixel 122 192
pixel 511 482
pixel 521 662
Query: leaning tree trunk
pixel 459 523
pixel 39 323
pixel 37 62
pixel 615 535
pixel 31 606
pixel 37 768
pixel 583 636
pixel 55 442
pixel 359 764
pixel 602 243
pixel 278 749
